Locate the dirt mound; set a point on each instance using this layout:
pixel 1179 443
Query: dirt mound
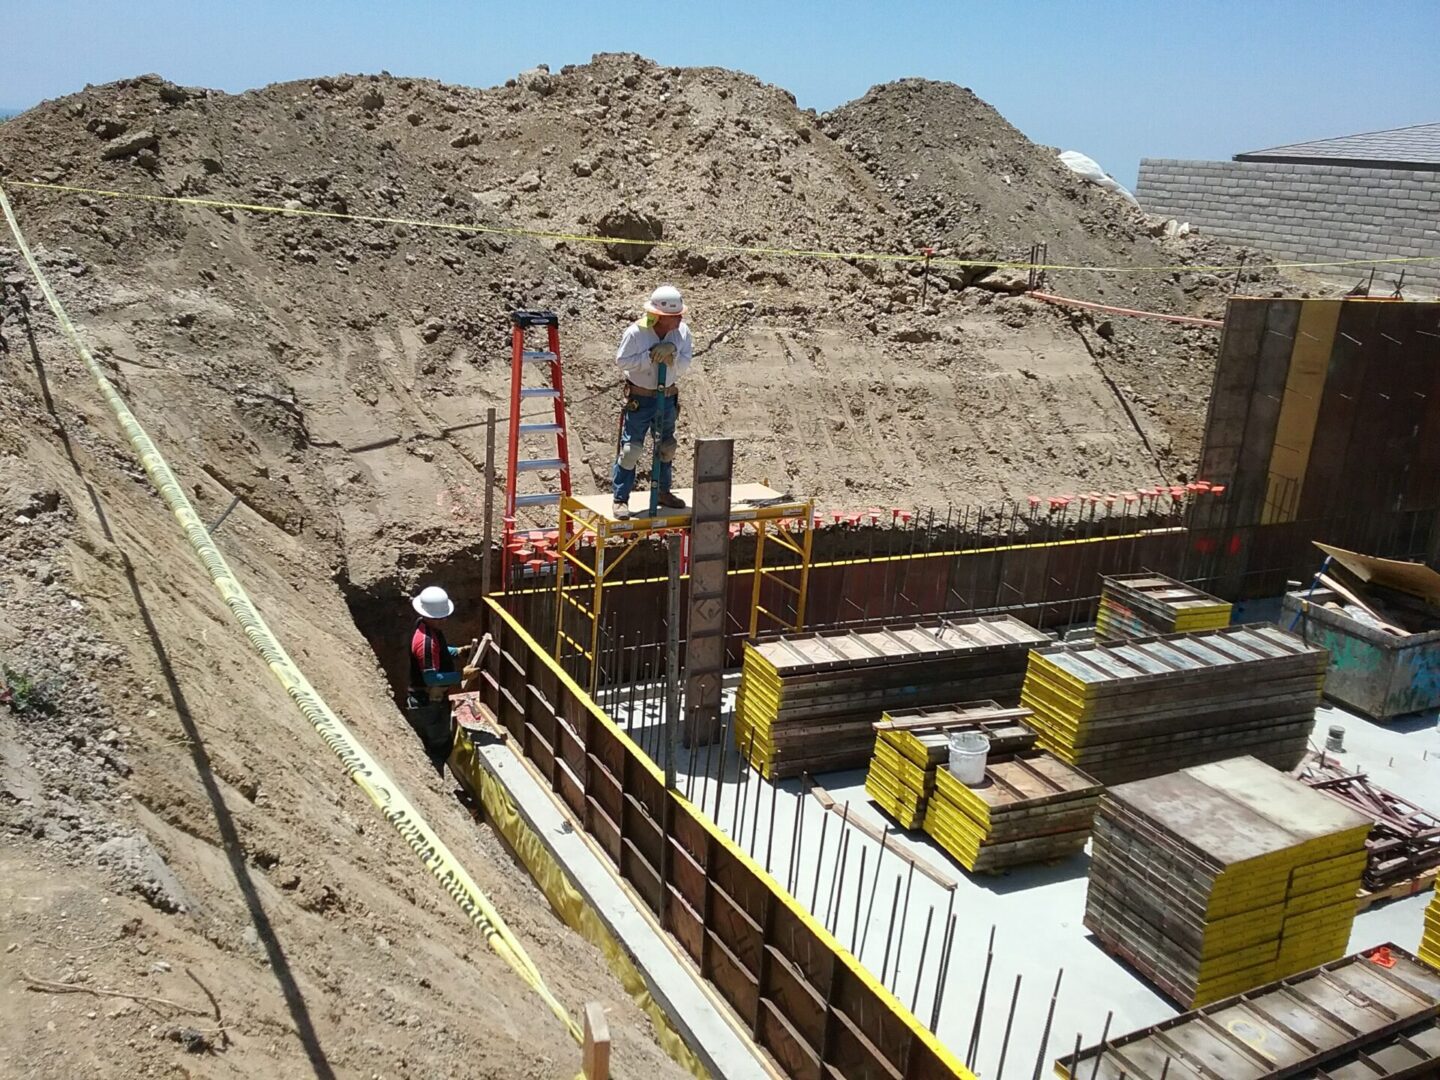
pixel 318 383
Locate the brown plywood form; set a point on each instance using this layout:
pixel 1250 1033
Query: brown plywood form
pixel 1300 408
pixel 1417 579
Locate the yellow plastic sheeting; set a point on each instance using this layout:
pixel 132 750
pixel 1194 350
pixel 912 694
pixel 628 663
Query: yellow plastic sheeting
pixel 566 900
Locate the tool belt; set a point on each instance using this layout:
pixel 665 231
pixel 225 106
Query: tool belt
pixel 631 390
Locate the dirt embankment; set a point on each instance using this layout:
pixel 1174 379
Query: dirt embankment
pixel 164 809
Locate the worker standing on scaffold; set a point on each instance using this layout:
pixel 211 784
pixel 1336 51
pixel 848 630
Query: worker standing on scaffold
pixel 657 338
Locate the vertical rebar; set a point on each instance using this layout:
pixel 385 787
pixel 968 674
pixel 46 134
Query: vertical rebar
pixel 815 886
pixel 904 918
pixel 1009 1023
pixel 874 887
pixel 832 923
pixel 1045 1035
pixel 839 856
pixel 738 817
pixel 792 865
pixel 672 663
pixel 859 895
pixel 890 930
pixel 720 768
pixel 944 973
pixel 920 967
pixel 770 842
pixel 1104 1038
pixel 980 1003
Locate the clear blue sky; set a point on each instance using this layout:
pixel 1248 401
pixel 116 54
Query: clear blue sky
pixel 1116 80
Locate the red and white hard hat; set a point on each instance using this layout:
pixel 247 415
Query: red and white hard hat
pixel 665 301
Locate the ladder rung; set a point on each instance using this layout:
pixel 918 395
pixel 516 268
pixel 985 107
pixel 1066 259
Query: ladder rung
pixel 539 392
pixel 538 356
pixel 546 499
pixel 540 429
pixel 536 464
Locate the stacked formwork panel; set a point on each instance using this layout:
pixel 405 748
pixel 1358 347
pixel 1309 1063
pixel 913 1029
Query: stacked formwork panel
pixel 807 703
pixel 910 744
pixel 1430 941
pixel 1123 711
pixel 1222 877
pixel 1031 807
pixel 1143 605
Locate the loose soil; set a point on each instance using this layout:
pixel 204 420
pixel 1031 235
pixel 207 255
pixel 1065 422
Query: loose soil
pixel 164 809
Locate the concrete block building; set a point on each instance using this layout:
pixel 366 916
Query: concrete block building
pixel 1369 196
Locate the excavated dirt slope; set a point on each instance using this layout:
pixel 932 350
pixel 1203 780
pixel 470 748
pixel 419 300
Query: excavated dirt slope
pixel 164 808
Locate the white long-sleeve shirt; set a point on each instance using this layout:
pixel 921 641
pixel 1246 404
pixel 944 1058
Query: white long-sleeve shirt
pixel 633 355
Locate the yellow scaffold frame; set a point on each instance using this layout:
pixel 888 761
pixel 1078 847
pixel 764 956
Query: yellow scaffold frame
pixel 777 519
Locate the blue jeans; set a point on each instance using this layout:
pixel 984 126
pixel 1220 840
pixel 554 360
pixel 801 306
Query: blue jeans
pixel 638 419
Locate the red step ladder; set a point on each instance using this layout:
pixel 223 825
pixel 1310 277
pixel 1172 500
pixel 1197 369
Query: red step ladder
pixel 531 428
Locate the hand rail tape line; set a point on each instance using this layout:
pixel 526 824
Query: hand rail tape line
pixel 359 765
pixel 884 997
pixel 699 246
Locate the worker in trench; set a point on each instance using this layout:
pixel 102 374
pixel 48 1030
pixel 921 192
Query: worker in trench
pixel 433 674
pixel 654 346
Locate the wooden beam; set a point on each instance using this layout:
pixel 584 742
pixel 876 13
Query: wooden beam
pixel 825 799
pixel 595 1063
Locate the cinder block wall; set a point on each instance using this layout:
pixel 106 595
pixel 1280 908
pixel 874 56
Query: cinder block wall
pixel 1306 212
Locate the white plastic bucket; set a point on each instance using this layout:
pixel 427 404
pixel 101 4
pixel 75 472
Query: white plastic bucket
pixel 968 751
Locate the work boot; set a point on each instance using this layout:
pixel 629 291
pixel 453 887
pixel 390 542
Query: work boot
pixel 620 511
pixel 670 501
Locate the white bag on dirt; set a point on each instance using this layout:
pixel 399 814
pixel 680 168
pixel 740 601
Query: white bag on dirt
pixel 1089 169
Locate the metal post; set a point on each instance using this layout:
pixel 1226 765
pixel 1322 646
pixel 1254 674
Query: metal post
pixel 486 558
pixel 859 893
pixel 1045 1035
pixel 1104 1037
pixel 980 1003
pixel 944 972
pixel 920 967
pixel 1009 1023
pixel 672 661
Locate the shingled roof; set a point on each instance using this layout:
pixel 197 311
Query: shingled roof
pixel 1415 147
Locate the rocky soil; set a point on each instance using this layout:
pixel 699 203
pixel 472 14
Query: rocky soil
pixel 318 383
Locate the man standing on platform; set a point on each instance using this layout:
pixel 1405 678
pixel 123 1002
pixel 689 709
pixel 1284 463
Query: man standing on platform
pixel 654 353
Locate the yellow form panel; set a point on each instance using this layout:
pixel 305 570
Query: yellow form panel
pixel 1300 408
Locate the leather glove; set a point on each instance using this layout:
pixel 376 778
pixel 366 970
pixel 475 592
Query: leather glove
pixel 662 352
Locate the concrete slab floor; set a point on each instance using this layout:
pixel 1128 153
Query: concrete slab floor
pixel 878 908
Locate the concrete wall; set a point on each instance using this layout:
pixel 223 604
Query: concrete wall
pixel 1306 212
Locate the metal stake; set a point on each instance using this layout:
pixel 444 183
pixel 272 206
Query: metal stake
pixel 890 932
pixel 943 974
pixel 1104 1037
pixel 980 1004
pixel 920 967
pixel 1009 1023
pixel 1045 1036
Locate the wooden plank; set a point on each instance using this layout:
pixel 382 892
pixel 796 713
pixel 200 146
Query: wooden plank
pixel 796 1059
pixel 1300 408
pixel 595 1056
pixel 825 799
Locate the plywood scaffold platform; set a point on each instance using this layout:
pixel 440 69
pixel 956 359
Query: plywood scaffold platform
pixel 783 529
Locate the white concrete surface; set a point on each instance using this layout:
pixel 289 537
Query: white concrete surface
pixel 1036 911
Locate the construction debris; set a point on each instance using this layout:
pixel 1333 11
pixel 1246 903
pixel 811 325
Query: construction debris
pixel 1222 877
pixel 1032 807
pixel 1142 605
pixel 1152 705
pixel 808 703
pixel 1405 841
pixel 1367 1015
pixel 910 744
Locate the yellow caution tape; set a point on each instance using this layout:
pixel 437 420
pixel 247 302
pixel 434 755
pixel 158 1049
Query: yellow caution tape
pixel 701 246
pixel 358 763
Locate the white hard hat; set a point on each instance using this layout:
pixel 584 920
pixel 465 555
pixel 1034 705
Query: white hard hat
pixel 433 603
pixel 665 301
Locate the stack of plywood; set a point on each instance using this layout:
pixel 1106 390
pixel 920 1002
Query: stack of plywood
pixel 1126 710
pixel 911 743
pixel 1032 807
pixel 1222 877
pixel 1142 605
pixel 807 702
pixel 1430 942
